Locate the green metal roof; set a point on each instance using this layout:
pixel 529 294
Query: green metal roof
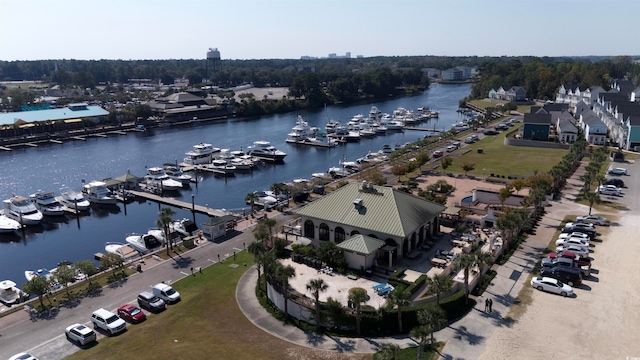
pixel 384 209
pixel 361 244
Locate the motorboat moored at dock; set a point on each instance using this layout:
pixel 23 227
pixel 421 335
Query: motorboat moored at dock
pixel 98 193
pixel 47 203
pixel 74 200
pixel 9 292
pixel 20 209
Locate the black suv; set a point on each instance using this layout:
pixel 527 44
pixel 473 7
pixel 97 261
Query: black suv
pixel 150 302
pixel 615 182
pixel 569 276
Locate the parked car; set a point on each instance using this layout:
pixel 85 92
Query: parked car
pixel 80 334
pixel 567 275
pixel 23 356
pixel 437 154
pixel 166 293
pixel 573 241
pixel 615 182
pixel 490 132
pixel 563 261
pixel 585 228
pixel 451 148
pixel 551 285
pixel 147 300
pixel 578 250
pixel 131 313
pixel 108 321
pixel 474 137
pixel 469 140
pixel 593 219
pixel 608 190
pixel 617 171
pixel 574 234
pixel 580 260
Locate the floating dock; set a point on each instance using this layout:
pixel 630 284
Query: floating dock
pixel 180 204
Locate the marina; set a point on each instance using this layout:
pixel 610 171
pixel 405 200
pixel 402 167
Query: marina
pixel 75 237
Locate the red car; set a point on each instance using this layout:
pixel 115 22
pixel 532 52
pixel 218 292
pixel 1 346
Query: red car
pixel 131 313
pixel 437 154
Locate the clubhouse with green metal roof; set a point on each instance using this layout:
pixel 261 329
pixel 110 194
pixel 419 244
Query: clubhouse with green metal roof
pixel 401 220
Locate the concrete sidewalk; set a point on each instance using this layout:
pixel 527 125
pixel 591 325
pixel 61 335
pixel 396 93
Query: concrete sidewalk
pixel 465 338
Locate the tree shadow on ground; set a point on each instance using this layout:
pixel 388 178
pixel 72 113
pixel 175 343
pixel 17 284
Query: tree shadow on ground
pixel 340 346
pixel 314 339
pixel 462 334
pixel 181 262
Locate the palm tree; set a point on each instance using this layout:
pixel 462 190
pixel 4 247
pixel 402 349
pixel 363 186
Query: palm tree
pixel 335 310
pixel 438 284
pixel 504 194
pixel 389 352
pixel 251 198
pixel 433 318
pixel 483 259
pixel 284 273
pixel 164 219
pixel 257 248
pixel 65 274
pixel 269 265
pixel 316 286
pixel 591 197
pixel 465 262
pixel 399 297
pixel 587 178
pixel 422 333
pixel 357 296
pixel 270 223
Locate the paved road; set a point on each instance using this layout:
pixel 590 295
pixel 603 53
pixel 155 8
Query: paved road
pixel 43 336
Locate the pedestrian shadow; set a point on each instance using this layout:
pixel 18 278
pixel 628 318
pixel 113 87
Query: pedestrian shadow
pixel 462 334
pixel 343 346
pixel 314 339
pixel 504 299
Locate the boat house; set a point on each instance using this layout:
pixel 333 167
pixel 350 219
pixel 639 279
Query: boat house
pixel 400 220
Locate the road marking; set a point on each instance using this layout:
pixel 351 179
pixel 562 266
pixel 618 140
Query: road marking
pixel 212 261
pixel 184 273
pixel 236 249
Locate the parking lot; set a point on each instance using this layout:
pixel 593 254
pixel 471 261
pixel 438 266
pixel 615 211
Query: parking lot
pixel 600 321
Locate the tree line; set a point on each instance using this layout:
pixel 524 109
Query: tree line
pixel 541 77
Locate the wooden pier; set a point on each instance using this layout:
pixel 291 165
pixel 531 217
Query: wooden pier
pixel 179 204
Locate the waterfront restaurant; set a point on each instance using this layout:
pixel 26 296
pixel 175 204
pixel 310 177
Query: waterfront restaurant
pixel 403 221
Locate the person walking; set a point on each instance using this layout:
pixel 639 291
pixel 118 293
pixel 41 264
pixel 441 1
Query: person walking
pixel 486 305
pixel 490 305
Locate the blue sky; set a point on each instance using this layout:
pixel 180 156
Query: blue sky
pixel 257 29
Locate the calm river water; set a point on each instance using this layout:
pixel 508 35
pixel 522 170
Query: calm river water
pixel 51 167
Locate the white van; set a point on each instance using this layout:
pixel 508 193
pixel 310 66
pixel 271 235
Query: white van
pixel 166 293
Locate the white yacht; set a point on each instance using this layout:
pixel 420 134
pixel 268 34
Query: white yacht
pixel 184 227
pixel 265 151
pixel 98 193
pixel 156 177
pixel 175 173
pixel 125 251
pixel 47 203
pixel 8 225
pixel 200 154
pixel 9 293
pixel 144 243
pixel 74 200
pixel 321 141
pixel 301 131
pixel 20 209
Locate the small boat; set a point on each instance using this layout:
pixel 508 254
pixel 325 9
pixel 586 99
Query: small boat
pixel 200 154
pixel 125 251
pixel 74 200
pixel 8 225
pixel 144 243
pixel 47 274
pixel 47 203
pixel 372 158
pixel 174 172
pixel 9 293
pixel 185 227
pixel 98 193
pixel 156 177
pixel 20 209
pixel 301 131
pixel 265 151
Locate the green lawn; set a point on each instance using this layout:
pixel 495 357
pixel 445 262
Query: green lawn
pixel 500 159
pixel 206 324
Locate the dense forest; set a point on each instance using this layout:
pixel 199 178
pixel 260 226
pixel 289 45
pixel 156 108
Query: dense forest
pixel 312 83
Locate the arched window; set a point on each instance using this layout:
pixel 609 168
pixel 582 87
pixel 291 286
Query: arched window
pixel 339 235
pixel 323 232
pixel 354 232
pixel 309 231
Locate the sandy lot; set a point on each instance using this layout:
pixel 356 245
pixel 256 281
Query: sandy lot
pixel 602 321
